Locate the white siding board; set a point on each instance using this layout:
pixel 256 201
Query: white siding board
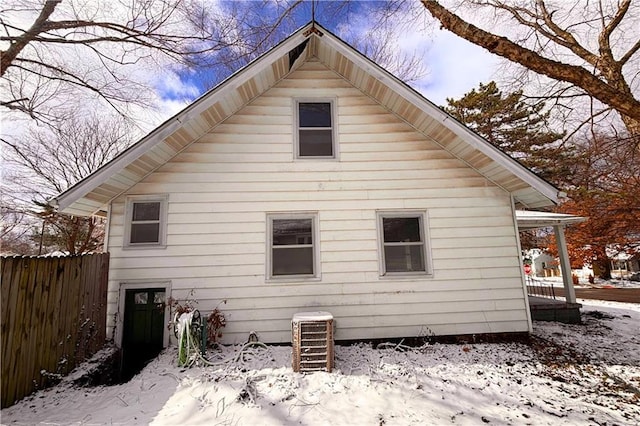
pixel 222 186
pixel 180 174
pixel 315 188
pixel 240 139
pixel 348 283
pixel 473 242
pixel 465 252
pixel 267 307
pixel 307 166
pixel 188 262
pixel 477 262
pixel 219 248
pixel 322 195
pixel 264 119
pixel 257 157
pixel 215 228
pixel 240 148
pixel 377 147
pixel 305 205
pixel 330 257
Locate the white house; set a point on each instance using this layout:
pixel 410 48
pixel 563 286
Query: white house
pixel 312 179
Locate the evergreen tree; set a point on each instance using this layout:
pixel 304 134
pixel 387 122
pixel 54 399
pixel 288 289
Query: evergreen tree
pixel 517 128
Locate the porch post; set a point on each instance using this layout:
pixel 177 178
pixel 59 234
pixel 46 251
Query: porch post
pixel 565 265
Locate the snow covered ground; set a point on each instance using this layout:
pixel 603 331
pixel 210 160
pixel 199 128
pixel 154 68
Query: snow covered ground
pixel 583 283
pixel 568 374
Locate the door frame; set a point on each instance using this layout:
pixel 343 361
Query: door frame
pixel 140 285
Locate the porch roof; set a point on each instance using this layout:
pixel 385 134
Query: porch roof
pixel 528 219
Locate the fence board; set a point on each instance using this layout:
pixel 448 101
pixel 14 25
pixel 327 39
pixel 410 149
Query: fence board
pixel 53 317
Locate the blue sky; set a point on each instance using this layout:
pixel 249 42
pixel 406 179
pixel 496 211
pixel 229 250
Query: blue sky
pixel 454 66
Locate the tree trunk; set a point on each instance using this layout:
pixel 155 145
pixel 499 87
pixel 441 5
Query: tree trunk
pixel 633 126
pixel 612 90
pixel 16 47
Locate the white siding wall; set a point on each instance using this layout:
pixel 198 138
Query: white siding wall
pixel 221 187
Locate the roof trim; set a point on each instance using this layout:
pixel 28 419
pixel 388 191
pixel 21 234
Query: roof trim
pixel 535 219
pixel 232 82
pixel 77 194
pixel 450 122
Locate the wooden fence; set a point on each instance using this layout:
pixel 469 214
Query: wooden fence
pixel 53 317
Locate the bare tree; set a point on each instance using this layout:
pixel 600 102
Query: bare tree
pixel 592 47
pixel 15 229
pixel 46 162
pixel 53 50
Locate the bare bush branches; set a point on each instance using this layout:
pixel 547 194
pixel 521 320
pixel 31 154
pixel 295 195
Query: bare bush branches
pixel 45 162
pixel 55 50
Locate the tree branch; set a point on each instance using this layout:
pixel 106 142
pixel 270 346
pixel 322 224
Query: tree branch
pixel 16 47
pixel 623 102
pixel 570 42
pixel 634 49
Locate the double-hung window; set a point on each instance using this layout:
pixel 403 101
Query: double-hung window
pixel 145 224
pixel 292 246
pixel 404 247
pixel 315 129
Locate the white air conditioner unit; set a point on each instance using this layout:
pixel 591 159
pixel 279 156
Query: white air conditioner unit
pixel 312 341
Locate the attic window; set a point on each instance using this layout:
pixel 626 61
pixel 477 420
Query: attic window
pixel 316 136
pixel 145 221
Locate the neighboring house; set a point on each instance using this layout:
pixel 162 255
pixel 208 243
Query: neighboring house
pixel 623 264
pixel 310 180
pixel 543 264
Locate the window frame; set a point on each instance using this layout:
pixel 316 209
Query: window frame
pixel 423 219
pixel 162 220
pixel 315 233
pixel 334 124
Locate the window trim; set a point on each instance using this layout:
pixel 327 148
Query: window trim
pixel 315 231
pixel 296 124
pixel 128 219
pixel 423 218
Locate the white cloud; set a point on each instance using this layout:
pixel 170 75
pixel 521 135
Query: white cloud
pixel 456 66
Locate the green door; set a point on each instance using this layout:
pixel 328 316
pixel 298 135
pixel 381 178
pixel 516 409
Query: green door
pixel 143 328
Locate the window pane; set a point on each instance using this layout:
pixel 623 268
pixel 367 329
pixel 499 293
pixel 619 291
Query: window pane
pixel 316 143
pixel 293 261
pixel 401 229
pixel 141 298
pixel 404 258
pixel 292 232
pixel 317 114
pixel 145 232
pixel 158 297
pixel 146 211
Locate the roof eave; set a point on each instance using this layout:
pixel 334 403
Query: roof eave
pixel 411 95
pixel 64 202
pixel 65 199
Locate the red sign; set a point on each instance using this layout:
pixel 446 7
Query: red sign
pixel 527 269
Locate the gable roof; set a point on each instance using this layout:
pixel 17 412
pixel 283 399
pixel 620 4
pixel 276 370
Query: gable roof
pixel 93 193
